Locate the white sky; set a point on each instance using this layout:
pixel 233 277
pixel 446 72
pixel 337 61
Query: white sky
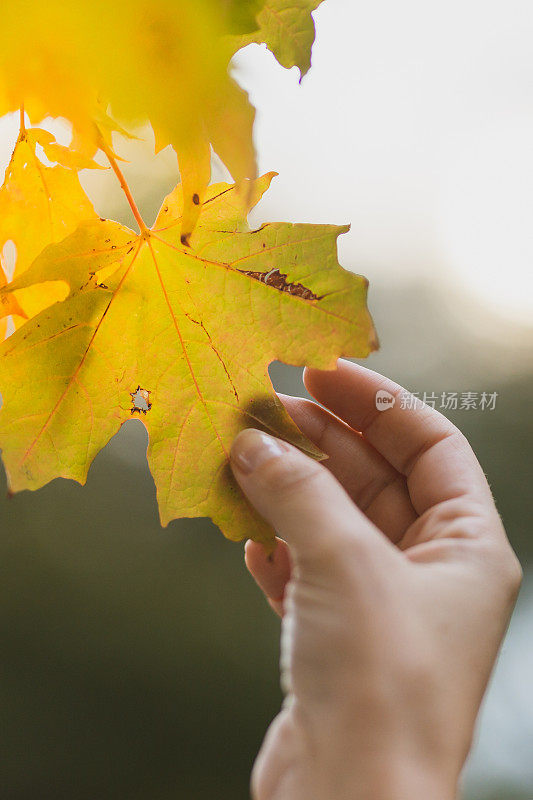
pixel 415 124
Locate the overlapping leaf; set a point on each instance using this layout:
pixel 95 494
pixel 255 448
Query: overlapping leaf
pixel 180 338
pixel 287 29
pixel 159 60
pixel 163 60
pixel 39 205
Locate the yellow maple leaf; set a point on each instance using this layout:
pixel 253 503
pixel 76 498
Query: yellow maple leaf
pixel 180 338
pixel 39 205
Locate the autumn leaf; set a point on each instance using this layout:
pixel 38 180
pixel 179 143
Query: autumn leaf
pixel 180 338
pixel 287 29
pixel 39 205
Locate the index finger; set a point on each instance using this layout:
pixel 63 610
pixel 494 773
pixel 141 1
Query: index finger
pixel 419 442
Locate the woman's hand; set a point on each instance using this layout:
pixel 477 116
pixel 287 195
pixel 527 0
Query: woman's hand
pixel 395 581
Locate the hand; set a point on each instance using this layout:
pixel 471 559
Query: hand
pixel 395 581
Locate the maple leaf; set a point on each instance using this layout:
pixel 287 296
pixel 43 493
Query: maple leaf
pixel 287 29
pixel 39 205
pixel 180 338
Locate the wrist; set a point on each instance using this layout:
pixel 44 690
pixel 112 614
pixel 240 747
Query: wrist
pixel 377 762
pixel 380 779
pixel 386 781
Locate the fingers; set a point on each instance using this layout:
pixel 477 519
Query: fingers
pixel 270 572
pixel 304 503
pixel 418 442
pixel 374 485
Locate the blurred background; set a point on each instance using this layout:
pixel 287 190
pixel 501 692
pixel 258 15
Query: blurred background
pixel 140 662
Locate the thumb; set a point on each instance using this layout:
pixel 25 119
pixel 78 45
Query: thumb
pixel 302 501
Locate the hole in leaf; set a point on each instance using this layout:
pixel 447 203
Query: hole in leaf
pixel 141 401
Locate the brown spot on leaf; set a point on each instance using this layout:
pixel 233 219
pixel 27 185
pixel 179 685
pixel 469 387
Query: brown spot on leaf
pixel 196 199
pixel 141 401
pixel 184 239
pixel 278 280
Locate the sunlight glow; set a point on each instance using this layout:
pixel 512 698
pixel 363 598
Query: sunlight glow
pixel 485 215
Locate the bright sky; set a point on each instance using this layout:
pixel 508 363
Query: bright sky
pixel 415 125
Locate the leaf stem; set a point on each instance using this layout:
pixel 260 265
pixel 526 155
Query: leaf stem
pixel 22 121
pixel 123 184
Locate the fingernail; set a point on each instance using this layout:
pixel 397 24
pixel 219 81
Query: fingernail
pixel 252 448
